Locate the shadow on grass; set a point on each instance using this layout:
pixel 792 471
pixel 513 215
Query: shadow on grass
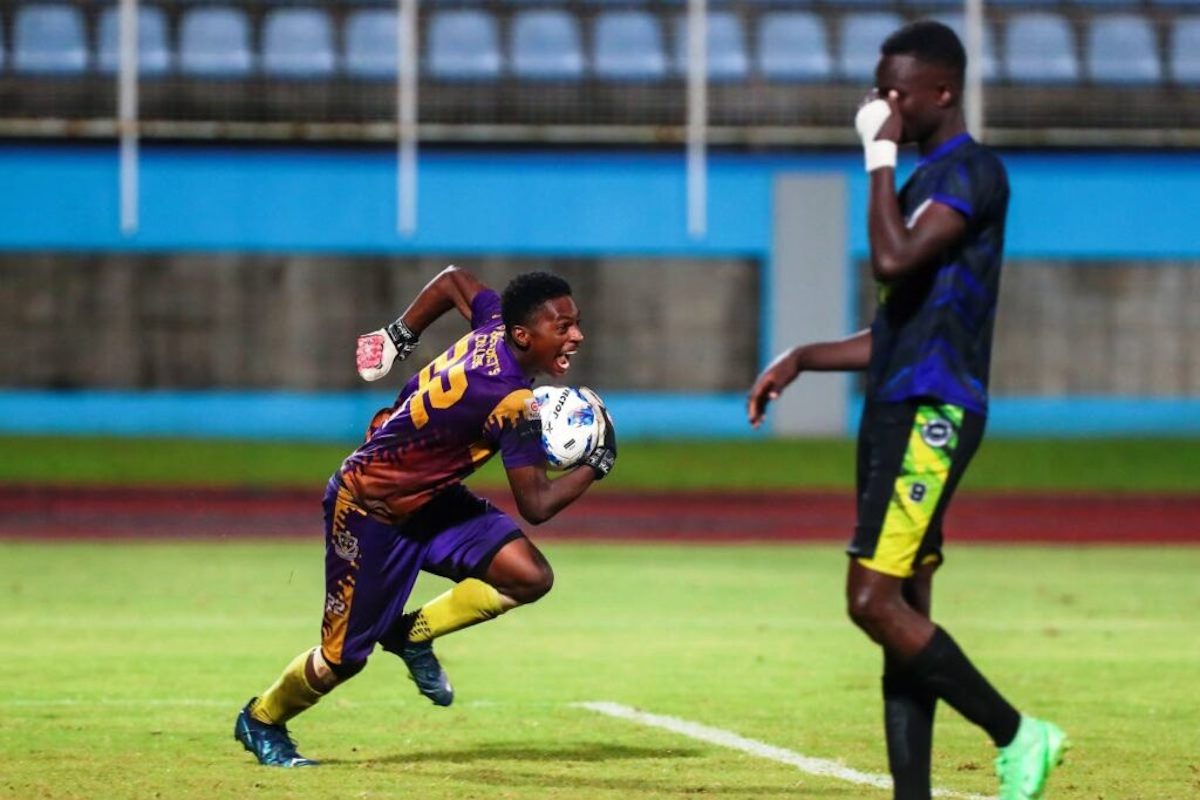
pixel 582 752
pixel 583 785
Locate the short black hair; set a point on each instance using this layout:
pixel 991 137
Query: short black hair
pixel 526 293
pixel 928 41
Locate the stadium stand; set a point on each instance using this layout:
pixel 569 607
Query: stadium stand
pixel 955 21
pixel 1185 51
pixel 155 56
pixel 1040 49
pixel 298 43
pixel 628 45
pixel 793 46
pixel 214 42
pixel 727 59
pixel 49 40
pixel 1121 50
pixel 371 44
pixel 546 46
pixel 463 44
pixel 586 63
pixel 860 36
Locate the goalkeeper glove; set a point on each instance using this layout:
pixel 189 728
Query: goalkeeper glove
pixel 378 350
pixel 869 119
pixel 604 454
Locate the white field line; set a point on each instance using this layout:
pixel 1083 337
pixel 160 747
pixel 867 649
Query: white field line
pixel 724 738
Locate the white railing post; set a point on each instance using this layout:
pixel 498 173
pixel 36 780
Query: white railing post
pixel 127 114
pixel 406 117
pixel 697 119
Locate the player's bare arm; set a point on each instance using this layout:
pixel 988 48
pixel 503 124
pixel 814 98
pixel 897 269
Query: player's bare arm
pixel 897 249
pixel 378 350
pixel 912 102
pixel 539 498
pixel 453 287
pixel 851 354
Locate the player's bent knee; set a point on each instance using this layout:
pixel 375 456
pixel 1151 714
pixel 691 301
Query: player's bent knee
pixel 533 586
pixel 867 610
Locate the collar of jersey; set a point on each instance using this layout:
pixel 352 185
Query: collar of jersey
pixel 944 149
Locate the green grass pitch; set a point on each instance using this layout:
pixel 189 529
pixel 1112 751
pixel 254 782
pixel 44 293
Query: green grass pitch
pixel 125 663
pixel 1110 465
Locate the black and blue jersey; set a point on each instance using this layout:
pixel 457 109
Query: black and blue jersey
pixel 932 333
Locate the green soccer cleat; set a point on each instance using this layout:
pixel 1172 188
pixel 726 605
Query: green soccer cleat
pixel 270 744
pixel 427 673
pixel 1024 765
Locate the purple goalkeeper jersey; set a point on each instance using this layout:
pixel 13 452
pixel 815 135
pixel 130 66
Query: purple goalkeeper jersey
pixel 453 415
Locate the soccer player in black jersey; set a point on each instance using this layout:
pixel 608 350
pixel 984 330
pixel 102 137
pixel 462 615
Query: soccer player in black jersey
pixel 936 250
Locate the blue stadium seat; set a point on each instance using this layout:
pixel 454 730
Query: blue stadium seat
pixel 1031 5
pixel 1121 50
pixel 1184 52
pixel 955 22
pixel 546 46
pixel 463 45
pixel 298 43
pixel 727 59
pixel 214 42
pixel 628 46
pixel 1040 48
pixel 154 53
pixel 1106 4
pixel 861 36
pixel 793 46
pixel 371 44
pixel 49 40
pixel 943 5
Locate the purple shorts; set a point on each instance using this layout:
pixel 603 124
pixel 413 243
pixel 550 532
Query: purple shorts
pixel 371 566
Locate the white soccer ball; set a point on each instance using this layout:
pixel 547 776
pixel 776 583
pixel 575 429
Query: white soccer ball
pixel 570 426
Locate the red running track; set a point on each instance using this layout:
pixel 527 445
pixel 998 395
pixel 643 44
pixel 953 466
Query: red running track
pixel 52 513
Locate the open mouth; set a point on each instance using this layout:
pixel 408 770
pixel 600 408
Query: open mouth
pixel 562 362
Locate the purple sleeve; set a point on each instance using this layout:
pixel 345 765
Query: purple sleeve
pixel 485 308
pixel 515 424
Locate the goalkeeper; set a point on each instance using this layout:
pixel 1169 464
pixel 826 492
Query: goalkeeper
pixel 936 251
pixel 397 506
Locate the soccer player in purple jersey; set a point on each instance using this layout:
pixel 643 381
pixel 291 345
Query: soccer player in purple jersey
pixel 397 505
pixel 936 250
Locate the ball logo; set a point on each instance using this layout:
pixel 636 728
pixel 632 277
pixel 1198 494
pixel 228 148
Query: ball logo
pixel 936 433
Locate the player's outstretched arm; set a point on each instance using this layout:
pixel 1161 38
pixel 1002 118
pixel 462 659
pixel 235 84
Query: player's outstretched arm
pixel 843 355
pixel 898 246
pixel 378 350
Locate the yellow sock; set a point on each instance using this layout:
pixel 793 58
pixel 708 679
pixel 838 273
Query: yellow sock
pixel 467 603
pixel 288 696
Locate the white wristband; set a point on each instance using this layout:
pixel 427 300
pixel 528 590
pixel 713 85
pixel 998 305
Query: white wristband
pixel 880 153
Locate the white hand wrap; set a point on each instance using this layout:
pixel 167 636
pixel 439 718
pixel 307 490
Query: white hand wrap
pixel 869 119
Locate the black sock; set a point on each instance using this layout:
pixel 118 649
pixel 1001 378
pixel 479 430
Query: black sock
pixel 397 636
pixel 908 708
pixel 945 670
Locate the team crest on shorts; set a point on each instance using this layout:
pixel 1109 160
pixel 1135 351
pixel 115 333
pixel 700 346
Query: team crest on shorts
pixel 937 432
pixel 345 545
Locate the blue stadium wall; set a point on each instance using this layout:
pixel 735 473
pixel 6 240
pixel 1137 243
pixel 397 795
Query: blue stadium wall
pixel 555 203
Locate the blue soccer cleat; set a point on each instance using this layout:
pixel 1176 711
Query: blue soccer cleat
pixel 427 673
pixel 270 744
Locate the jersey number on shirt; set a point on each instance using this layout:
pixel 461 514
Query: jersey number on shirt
pixel 442 383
